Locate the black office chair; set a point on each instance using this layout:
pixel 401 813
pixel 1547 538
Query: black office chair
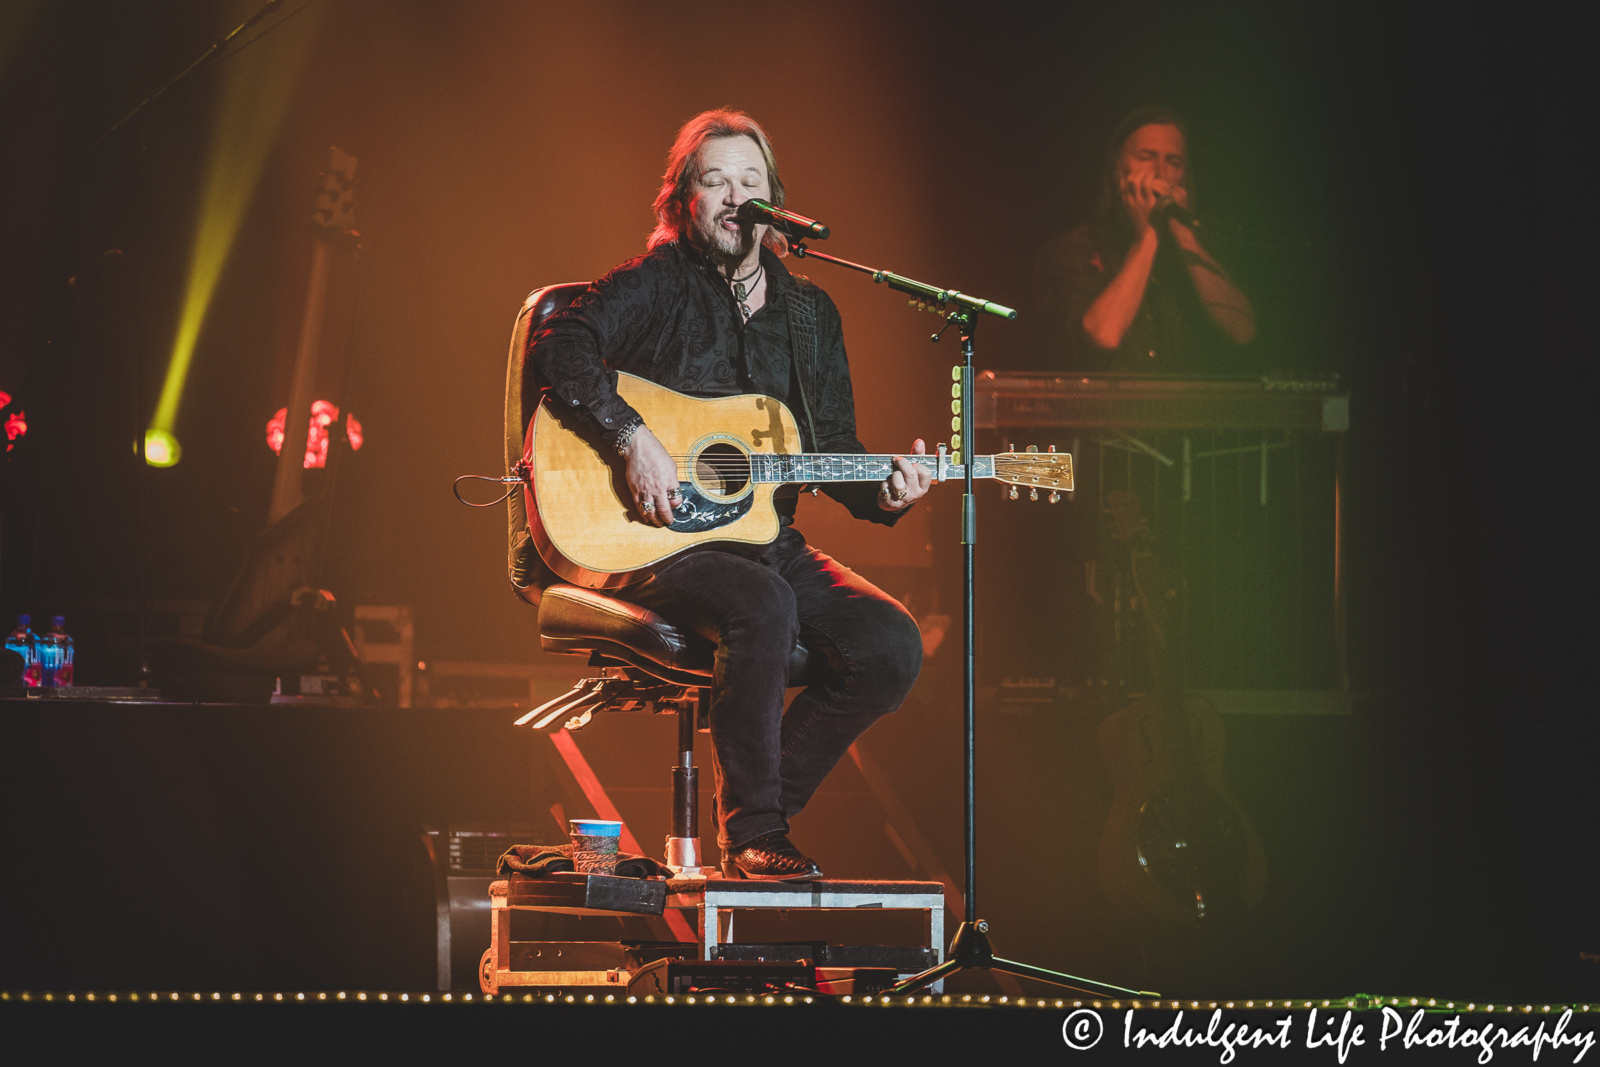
pixel 644 659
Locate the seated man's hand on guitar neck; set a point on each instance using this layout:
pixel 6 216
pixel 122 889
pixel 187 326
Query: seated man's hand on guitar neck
pixel 652 477
pixel 909 482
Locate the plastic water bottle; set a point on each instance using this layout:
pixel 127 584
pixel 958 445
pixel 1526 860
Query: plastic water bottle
pixel 23 643
pixel 55 655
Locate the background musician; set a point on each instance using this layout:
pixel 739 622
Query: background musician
pixel 710 310
pixel 1134 289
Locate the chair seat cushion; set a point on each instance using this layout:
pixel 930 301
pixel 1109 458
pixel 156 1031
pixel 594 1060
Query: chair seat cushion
pixel 573 620
pixel 570 616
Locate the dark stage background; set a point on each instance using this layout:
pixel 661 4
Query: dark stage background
pixel 1411 218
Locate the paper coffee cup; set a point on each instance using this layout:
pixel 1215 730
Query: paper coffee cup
pixel 594 845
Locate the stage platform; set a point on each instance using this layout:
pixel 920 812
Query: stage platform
pixel 261 847
pixel 278 846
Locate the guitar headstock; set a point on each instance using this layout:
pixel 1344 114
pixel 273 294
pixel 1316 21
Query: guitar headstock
pixel 1034 470
pixel 335 209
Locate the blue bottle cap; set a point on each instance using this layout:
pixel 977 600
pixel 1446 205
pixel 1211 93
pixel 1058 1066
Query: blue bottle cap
pixel 58 621
pixel 24 620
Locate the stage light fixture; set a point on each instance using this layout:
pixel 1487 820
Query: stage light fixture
pixel 16 423
pixel 161 449
pixel 323 415
pixel 249 109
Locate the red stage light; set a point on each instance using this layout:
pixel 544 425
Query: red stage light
pixel 16 422
pixel 323 414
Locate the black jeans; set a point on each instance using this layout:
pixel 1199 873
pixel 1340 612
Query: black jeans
pixel 768 763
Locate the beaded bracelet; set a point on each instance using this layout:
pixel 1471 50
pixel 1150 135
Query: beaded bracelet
pixel 625 435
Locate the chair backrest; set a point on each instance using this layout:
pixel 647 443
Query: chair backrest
pixel 524 390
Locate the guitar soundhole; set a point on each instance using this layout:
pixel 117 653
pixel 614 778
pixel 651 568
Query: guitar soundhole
pixel 722 470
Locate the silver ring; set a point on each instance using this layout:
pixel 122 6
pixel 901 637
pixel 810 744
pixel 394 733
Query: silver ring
pixel 897 494
pixel 647 506
pixel 673 494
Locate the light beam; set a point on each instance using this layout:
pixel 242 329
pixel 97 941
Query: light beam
pixel 250 106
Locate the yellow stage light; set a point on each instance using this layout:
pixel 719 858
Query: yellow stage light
pixel 161 449
pixel 255 93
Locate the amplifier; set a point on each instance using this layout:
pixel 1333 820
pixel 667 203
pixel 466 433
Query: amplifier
pixel 463 859
pixel 905 959
pixel 677 976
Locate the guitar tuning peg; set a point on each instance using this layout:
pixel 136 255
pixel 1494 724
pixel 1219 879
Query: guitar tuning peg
pixel 1033 494
pixel 1033 448
pixel 1054 497
pixel 1013 494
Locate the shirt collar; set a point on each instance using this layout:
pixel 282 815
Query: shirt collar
pixel 779 279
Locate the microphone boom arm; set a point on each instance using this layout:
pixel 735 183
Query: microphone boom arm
pixel 912 287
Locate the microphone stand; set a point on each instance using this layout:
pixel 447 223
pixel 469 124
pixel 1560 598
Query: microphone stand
pixel 969 949
pixel 217 45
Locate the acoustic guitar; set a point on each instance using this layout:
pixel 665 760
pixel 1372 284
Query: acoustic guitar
pixel 1177 845
pixel 733 454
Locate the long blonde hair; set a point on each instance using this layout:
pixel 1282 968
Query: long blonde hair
pixel 672 202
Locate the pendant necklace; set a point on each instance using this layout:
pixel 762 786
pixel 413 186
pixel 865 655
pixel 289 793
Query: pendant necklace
pixel 741 294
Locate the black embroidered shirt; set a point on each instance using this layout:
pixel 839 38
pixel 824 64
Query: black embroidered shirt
pixel 668 317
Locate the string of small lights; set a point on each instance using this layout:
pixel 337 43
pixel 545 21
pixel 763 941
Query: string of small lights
pixel 1360 1002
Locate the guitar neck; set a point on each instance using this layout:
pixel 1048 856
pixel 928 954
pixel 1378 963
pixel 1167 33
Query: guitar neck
pixel 818 467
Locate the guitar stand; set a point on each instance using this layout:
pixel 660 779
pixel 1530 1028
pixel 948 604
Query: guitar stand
pixel 969 950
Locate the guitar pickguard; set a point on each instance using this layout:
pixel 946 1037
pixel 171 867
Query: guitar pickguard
pixel 699 512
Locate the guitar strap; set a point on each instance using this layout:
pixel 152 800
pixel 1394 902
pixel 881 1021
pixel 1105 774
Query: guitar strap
pixel 803 342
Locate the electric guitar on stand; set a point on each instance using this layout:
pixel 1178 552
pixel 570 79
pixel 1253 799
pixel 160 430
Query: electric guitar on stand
pixel 275 619
pixel 733 454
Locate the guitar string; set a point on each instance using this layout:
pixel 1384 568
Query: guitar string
pixel 730 462
pixel 685 462
pixel 730 465
pixel 855 457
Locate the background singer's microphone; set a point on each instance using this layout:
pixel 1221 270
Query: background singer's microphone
pixel 1166 207
pixel 796 227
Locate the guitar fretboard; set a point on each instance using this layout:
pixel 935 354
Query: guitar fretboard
pixel 849 467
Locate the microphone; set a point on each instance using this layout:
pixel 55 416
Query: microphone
pixel 1166 207
pixel 795 227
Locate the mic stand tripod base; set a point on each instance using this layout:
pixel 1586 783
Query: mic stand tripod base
pixel 969 951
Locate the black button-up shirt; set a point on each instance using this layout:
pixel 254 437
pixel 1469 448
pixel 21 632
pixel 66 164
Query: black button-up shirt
pixel 1171 332
pixel 668 317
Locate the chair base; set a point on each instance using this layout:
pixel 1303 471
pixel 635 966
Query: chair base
pixel 685 859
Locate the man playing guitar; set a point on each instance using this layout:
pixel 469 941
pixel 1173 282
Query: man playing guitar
pixel 709 310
